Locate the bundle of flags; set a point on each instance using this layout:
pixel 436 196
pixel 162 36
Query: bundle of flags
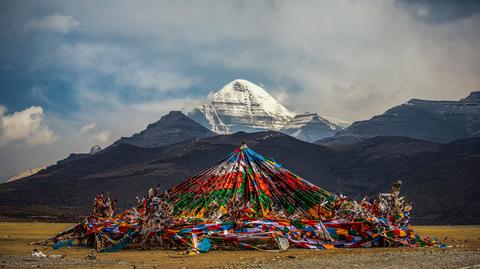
pixel 248 184
pixel 248 201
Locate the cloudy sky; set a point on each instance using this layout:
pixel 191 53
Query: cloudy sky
pixel 78 73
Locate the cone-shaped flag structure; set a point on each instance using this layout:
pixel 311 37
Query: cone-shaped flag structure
pixel 246 201
pixel 246 183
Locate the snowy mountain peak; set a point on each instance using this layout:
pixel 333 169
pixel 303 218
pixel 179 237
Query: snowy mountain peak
pixel 311 127
pixel 95 149
pixel 244 106
pixel 241 106
pixel 242 91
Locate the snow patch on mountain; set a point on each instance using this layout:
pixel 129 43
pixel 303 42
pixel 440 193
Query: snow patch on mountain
pixel 338 122
pixel 310 127
pixel 301 120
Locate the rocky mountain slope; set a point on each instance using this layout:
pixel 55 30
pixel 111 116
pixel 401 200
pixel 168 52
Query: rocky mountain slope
pixel 439 121
pixel 310 127
pixel 440 179
pixel 171 128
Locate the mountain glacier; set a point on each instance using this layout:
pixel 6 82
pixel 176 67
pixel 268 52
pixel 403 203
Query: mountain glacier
pixel 244 106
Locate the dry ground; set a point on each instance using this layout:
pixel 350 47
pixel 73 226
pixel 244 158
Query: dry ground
pixel 15 252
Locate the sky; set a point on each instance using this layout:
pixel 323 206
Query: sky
pixel 78 73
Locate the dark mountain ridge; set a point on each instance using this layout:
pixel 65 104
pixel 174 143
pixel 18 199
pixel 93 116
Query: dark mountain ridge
pixel 440 179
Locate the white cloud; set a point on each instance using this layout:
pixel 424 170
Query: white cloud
pixel 123 64
pixel 40 93
pixel 88 127
pixel 281 94
pixel 149 78
pixel 104 111
pixel 377 49
pixel 27 126
pixel 373 48
pixel 423 11
pixel 55 23
pixel 346 59
pixel 163 107
pixel 103 136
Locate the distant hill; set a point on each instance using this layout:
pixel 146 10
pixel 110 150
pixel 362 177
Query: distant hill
pixel 440 179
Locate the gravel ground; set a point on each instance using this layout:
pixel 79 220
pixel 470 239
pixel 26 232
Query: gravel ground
pixel 463 252
pixel 365 258
pixel 7 261
pixel 416 259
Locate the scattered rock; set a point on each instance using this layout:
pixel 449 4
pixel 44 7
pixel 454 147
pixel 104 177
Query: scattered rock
pixel 38 254
pixel 91 255
pixel 56 256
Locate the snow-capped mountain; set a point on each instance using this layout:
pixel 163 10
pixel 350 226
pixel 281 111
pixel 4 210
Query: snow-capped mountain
pixel 439 121
pixel 95 149
pixel 244 106
pixel 311 127
pixel 241 106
